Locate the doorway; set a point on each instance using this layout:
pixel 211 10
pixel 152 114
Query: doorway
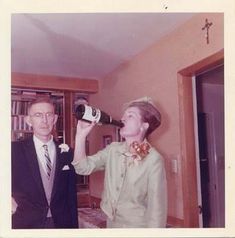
pixel 210 117
pixel 187 137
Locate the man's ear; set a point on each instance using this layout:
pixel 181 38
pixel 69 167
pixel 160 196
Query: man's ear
pixel 55 119
pixel 28 121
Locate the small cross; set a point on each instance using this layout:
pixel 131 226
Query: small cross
pixel 207 26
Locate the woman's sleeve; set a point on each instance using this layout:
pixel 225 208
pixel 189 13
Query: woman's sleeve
pixel 92 163
pixel 157 195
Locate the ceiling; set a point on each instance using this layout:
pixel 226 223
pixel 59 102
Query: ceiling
pixel 85 45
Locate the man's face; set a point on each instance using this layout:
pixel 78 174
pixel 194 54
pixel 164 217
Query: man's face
pixel 42 119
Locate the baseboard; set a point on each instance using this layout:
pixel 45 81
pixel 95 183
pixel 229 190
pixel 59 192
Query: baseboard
pixel 174 222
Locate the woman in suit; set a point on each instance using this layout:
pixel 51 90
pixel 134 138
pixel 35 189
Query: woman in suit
pixel 135 191
pixel 43 179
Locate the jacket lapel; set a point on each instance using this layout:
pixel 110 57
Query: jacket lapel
pixel 58 167
pixel 31 156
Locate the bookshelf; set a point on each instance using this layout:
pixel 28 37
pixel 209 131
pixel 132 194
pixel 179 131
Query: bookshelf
pixel 65 92
pixel 20 101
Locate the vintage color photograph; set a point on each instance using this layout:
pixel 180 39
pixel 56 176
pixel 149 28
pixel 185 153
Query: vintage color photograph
pixel 114 113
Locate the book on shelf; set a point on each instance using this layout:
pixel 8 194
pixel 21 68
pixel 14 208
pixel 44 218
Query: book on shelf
pixel 57 94
pixel 59 124
pixel 16 135
pixel 19 107
pixel 29 95
pixel 20 101
pixel 18 123
pixel 59 106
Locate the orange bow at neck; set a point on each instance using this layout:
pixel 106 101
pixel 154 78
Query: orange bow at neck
pixel 140 150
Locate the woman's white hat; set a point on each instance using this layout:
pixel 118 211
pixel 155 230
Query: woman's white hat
pixel 150 106
pixel 146 103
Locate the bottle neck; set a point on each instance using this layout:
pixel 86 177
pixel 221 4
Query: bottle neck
pixel 116 123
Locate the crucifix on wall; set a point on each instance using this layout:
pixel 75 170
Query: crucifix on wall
pixel 207 27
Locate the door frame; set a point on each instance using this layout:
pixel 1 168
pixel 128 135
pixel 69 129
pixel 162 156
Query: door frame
pixel 187 137
pixel 214 203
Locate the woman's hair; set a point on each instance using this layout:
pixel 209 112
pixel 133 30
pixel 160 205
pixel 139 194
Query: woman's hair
pixel 149 114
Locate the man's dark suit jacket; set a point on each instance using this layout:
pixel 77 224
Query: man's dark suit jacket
pixel 28 191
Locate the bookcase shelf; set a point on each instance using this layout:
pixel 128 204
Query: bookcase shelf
pixel 20 101
pixel 65 92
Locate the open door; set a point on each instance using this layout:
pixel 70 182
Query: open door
pixel 191 203
pixel 210 117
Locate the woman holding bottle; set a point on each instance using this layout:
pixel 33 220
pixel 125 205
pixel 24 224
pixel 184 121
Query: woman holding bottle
pixel 135 191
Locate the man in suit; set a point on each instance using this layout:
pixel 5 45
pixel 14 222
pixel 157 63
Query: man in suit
pixel 43 179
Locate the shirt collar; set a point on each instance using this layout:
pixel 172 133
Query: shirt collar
pixel 38 143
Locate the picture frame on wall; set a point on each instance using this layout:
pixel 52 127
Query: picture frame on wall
pixel 107 139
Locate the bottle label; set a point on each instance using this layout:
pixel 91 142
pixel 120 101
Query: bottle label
pixel 91 114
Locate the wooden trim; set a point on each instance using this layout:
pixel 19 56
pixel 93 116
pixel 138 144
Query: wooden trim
pixel 187 138
pixel 202 65
pixel 175 222
pixel 83 199
pixel 189 175
pixel 68 118
pixel 54 82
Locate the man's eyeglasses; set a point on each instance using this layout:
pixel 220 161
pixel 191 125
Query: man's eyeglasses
pixel 39 115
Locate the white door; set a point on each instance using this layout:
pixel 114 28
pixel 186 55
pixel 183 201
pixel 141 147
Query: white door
pixel 197 153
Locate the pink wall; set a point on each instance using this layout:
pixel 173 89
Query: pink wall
pixel 154 73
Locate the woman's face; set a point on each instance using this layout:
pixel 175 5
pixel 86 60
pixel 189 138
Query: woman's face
pixel 132 123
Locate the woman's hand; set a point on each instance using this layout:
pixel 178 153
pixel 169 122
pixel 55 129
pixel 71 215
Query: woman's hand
pixel 84 128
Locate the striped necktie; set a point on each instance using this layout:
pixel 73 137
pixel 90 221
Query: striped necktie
pixel 48 161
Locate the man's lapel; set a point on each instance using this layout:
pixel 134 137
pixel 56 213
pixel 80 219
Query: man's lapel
pixel 31 156
pixel 58 168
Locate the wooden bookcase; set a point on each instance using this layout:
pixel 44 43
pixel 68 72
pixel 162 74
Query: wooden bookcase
pixel 64 91
pixel 20 100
